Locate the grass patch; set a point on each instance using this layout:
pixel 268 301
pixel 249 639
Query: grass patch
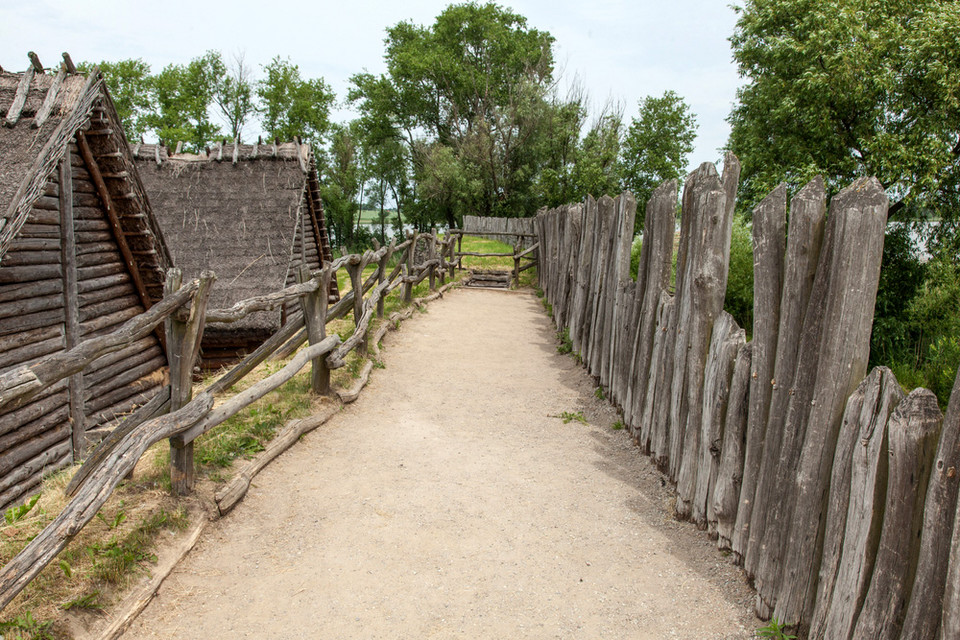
pixel 617 426
pixel 569 417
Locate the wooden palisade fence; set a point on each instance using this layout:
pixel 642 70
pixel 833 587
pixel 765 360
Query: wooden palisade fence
pixel 180 416
pixel 836 492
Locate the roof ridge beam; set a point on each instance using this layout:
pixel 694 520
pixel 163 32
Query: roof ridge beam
pixel 20 98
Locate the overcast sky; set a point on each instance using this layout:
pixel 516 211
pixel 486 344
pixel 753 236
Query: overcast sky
pixel 621 50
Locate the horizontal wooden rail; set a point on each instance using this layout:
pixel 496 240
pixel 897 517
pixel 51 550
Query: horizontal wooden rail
pixel 26 381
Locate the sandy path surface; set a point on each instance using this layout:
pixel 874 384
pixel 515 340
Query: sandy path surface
pixel 449 501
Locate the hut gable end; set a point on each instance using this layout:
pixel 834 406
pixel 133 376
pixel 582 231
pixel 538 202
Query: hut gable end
pixel 80 253
pixel 244 212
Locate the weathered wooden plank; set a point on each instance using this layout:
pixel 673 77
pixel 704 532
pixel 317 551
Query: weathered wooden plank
pixel 29 321
pixel 726 494
pixel 656 406
pixel 857 486
pixel 927 603
pixel 109 306
pixel 653 278
pixel 860 212
pixel 707 266
pixel 41 463
pixel 725 343
pixel 49 420
pixel 18 275
pixel 913 431
pixel 32 447
pixel 807 216
pixel 28 304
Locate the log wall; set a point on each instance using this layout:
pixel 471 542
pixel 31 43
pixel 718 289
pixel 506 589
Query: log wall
pixel 63 281
pixel 836 492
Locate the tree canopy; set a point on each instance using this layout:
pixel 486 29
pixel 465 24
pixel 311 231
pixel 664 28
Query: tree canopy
pixel 847 88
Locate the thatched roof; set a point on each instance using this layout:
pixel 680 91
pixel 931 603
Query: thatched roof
pixel 250 213
pixel 41 114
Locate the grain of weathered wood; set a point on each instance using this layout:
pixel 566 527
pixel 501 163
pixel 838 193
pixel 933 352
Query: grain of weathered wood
pixel 653 277
pixel 314 306
pixel 726 494
pixel 707 268
pixel 807 216
pixel 725 343
pixel 18 385
pixel 913 430
pixel 927 603
pixel 860 212
pixel 857 486
pixel 656 405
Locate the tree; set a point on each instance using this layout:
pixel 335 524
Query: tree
pixel 130 85
pixel 292 106
pixel 596 171
pixel 233 96
pixel 184 95
pixel 847 88
pixel 656 146
pixel 342 185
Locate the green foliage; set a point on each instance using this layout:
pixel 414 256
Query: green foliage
pixel 291 106
pixel 656 146
pixel 91 601
pixel 569 416
pixel 598 394
pixel 847 88
pixel 774 631
pixel 738 301
pixel 25 627
pixel 635 249
pixel 131 89
pixel 233 95
pixel 183 95
pixel 342 185
pixel 617 426
pixel 566 345
pixel 902 274
pixel 13 514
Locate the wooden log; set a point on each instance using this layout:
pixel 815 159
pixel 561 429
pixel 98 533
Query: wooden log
pixel 950 626
pixel 105 282
pixel 411 250
pixel 914 429
pixel 857 487
pixel 49 99
pixel 717 380
pixel 726 494
pixel 19 98
pixel 861 213
pixel 183 344
pixel 807 216
pixel 159 405
pixel 26 565
pixel 31 485
pixel 314 306
pixel 261 353
pixel 40 405
pixel 347 396
pixel 656 406
pixel 356 271
pixel 24 432
pixel 702 302
pixel 34 350
pixel 622 303
pixel 25 450
pixel 104 407
pixel 37 465
pixel 29 304
pixel 248 396
pixel 125 372
pixel 19 275
pixel 769 239
pixel 927 605
pixel 656 256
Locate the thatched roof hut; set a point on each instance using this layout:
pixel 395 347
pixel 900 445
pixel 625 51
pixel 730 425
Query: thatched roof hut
pixel 250 213
pixel 80 253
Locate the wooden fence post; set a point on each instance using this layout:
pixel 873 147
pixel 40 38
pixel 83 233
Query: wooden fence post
pixel 183 348
pixel 516 265
pixel 355 268
pixel 408 271
pixel 451 247
pixel 314 307
pixel 431 256
pixel 381 274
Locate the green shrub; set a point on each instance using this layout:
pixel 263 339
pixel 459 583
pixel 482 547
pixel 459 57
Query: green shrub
pixel 738 301
pixel 635 255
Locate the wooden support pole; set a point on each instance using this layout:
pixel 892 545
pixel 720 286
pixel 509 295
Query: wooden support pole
pixel 183 348
pixel 382 273
pixel 408 286
pixel 431 255
pixel 314 312
pixel 68 253
pixel 516 265
pixel 356 272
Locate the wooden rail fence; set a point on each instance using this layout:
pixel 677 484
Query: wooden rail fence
pixel 835 490
pixel 178 415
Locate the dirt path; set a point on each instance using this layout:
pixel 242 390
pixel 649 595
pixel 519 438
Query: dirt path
pixel 450 502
